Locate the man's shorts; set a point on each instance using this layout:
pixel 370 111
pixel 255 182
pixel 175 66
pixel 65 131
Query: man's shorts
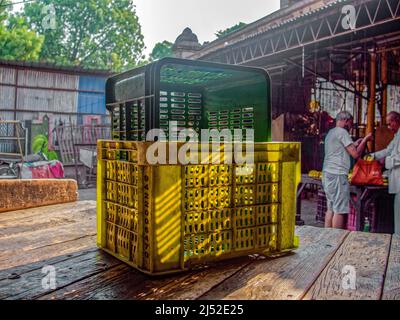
pixel 337 190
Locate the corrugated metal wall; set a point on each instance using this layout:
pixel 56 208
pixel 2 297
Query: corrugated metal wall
pixel 7 97
pixel 92 102
pixel 333 100
pixel 32 78
pixel 7 93
pixel 91 83
pixel 7 75
pixel 53 118
pixel 394 98
pixel 5 115
pixel 47 100
pixel 63 97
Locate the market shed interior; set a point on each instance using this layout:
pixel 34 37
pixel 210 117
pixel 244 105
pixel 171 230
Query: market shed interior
pixel 321 63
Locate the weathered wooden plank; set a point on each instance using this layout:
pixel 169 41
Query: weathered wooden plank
pixel 391 289
pixel 286 278
pixel 112 284
pixel 48 252
pixel 15 245
pixel 195 285
pixel 29 284
pixel 49 226
pixel 45 212
pixel 365 255
pixel 21 269
pixel 125 283
pixel 43 222
pixel 36 234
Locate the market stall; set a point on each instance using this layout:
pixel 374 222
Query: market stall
pixel 371 207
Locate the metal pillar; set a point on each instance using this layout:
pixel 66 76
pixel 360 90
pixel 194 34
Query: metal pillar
pixel 384 77
pixel 360 88
pixel 372 101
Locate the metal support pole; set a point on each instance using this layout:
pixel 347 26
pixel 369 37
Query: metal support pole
pixel 372 101
pixel 360 108
pixel 384 77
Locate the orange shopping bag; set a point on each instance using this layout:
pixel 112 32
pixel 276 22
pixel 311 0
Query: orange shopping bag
pixel 367 173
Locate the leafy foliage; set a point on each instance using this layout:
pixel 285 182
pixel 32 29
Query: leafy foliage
pixel 17 42
pixel 236 27
pixel 161 50
pixel 4 5
pixel 90 33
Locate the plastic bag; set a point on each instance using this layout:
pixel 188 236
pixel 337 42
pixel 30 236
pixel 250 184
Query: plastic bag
pixel 366 173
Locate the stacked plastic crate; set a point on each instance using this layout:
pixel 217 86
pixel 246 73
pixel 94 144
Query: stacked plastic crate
pixel 183 108
pixel 165 218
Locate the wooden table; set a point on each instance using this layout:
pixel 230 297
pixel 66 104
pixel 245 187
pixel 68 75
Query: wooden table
pixel 64 236
pixel 364 195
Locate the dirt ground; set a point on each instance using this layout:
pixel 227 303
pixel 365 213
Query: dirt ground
pixel 309 212
pixel 87 194
pixel 308 207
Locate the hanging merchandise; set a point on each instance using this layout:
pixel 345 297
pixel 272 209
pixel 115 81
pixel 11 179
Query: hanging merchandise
pixel 367 172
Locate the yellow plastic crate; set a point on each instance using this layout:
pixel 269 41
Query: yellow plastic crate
pixel 168 218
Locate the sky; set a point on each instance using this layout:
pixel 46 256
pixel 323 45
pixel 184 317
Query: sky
pixel 166 19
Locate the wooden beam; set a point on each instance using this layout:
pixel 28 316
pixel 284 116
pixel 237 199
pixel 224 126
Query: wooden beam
pixel 364 253
pixel 23 194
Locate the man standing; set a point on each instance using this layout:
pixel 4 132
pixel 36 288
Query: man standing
pixel 391 158
pixel 339 146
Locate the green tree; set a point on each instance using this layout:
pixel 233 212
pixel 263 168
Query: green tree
pixel 90 33
pixel 4 5
pixel 161 50
pixel 236 27
pixel 16 41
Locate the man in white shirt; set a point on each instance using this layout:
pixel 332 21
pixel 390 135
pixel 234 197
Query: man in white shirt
pixel 339 146
pixel 391 158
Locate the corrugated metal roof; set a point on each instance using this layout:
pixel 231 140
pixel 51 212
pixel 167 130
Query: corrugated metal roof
pixel 55 67
pixel 275 26
pixel 300 17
